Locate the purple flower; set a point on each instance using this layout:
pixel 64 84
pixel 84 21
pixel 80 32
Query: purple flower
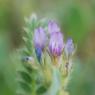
pixel 39 42
pixel 69 47
pixel 53 27
pixel 56 44
pixel 39 38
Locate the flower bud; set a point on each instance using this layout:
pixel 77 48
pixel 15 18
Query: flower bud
pixel 39 42
pixel 69 47
pixel 56 44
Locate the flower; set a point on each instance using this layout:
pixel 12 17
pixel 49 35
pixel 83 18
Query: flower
pixel 56 44
pixel 39 42
pixel 53 27
pixel 39 38
pixel 69 47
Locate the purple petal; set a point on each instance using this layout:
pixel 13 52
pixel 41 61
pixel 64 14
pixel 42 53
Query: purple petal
pixel 53 27
pixel 69 47
pixel 56 44
pixel 40 37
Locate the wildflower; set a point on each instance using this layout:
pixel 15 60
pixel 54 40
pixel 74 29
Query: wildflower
pixel 56 44
pixel 53 27
pixel 69 47
pixel 39 41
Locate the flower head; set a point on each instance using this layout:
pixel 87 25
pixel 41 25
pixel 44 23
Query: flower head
pixel 69 47
pixel 53 27
pixel 56 44
pixel 39 38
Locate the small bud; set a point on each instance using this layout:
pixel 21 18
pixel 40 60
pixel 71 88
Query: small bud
pixel 69 47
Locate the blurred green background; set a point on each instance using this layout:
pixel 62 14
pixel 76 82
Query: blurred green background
pixel 77 20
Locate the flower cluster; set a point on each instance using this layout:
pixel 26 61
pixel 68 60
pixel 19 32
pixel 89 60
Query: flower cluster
pixel 55 43
pixel 47 37
pixel 45 44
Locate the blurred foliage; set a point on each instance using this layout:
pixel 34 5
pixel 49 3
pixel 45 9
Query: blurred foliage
pixel 7 69
pixel 82 80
